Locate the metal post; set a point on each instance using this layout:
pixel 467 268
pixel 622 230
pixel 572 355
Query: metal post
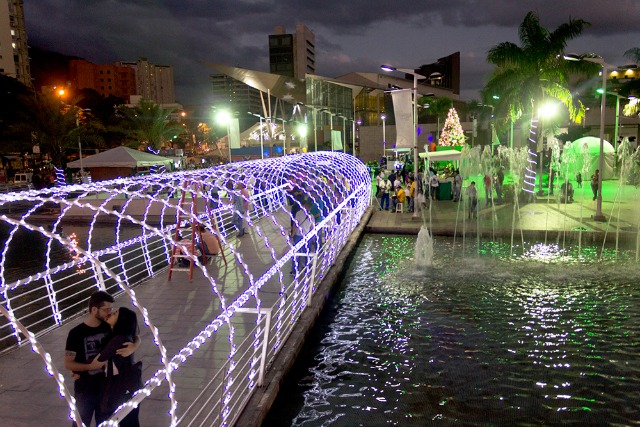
pixel 384 136
pixel 598 215
pixel 315 130
pixel 415 137
pixel 261 141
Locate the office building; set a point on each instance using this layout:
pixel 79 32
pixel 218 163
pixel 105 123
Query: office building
pixel 107 80
pixel 153 82
pixel 292 55
pixel 14 55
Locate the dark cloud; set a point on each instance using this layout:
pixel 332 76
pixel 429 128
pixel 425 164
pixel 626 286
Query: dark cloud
pixel 354 35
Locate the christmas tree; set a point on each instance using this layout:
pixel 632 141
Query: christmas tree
pixel 452 133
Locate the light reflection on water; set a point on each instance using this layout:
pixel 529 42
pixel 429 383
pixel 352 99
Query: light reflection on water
pixel 475 340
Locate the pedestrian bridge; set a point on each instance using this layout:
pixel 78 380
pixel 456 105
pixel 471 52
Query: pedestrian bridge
pixel 210 331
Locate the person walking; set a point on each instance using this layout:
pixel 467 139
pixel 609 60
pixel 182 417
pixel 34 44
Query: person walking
pixel 240 201
pixel 83 345
pixel 487 189
pixel 386 189
pixel 499 182
pixel 472 195
pixel 595 183
pixel 435 185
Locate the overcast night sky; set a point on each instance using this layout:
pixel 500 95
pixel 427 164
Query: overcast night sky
pixel 351 35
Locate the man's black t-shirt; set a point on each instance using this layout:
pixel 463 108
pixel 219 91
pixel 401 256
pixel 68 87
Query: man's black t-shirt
pixel 87 342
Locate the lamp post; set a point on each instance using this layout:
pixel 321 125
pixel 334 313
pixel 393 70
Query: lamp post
pixel 544 112
pixel 344 133
pixel 223 117
pixel 416 76
pixel 325 110
pixel 384 136
pixel 80 142
pixel 261 138
pixel 356 130
pixel 315 126
pixel 617 123
pixel 599 216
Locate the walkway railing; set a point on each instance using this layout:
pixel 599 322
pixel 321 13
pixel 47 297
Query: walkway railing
pixel 129 234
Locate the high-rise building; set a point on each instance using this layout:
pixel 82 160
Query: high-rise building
pixel 236 96
pixel 153 82
pixel 292 55
pixel 14 55
pixel 105 79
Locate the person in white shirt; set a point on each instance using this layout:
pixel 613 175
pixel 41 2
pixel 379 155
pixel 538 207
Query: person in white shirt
pixel 435 185
pixel 386 189
pixel 379 182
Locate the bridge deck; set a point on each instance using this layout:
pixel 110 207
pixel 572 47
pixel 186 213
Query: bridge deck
pixel 180 309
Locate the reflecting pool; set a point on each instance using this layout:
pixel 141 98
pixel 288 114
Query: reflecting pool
pixel 480 338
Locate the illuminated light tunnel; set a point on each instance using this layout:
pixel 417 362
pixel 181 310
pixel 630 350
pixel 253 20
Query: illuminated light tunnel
pixel 114 235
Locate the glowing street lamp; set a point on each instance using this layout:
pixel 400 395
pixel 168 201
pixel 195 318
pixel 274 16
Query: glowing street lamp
pixel 416 77
pixel 302 130
pixel 599 216
pixel 223 118
pixel 546 111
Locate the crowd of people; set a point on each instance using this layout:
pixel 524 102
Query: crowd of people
pixel 395 187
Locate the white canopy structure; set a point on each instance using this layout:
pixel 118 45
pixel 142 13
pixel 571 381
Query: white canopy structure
pixel 590 156
pixel 121 157
pixel 438 156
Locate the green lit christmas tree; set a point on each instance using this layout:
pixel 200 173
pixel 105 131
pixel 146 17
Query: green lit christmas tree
pixel 452 133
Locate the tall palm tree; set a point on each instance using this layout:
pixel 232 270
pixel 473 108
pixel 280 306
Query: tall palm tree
pixel 438 107
pixel 528 74
pixel 632 86
pixel 150 124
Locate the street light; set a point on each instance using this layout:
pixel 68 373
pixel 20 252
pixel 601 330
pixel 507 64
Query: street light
pixel 326 110
pixel 302 132
pixel 615 132
pixel 599 216
pixel 344 133
pixel 384 136
pixel 544 112
pixel 261 138
pixel 315 126
pixel 416 77
pixel 79 140
pixel 356 130
pixel 223 117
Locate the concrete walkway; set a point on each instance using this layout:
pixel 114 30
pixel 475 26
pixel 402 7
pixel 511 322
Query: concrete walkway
pixel 543 215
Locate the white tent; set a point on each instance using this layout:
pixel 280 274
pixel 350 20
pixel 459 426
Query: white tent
pixel 121 157
pixel 437 156
pixel 592 156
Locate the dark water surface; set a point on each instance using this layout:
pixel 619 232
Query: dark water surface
pixel 477 340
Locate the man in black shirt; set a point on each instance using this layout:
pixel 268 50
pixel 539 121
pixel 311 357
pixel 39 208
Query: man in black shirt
pixel 84 343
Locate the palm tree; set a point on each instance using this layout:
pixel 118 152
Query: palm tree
pixel 56 127
pixel 632 86
pixel 528 74
pixel 150 124
pixel 438 107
